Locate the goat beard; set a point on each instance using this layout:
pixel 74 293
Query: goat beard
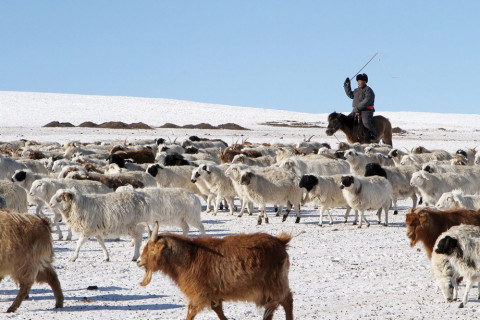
pixel 146 278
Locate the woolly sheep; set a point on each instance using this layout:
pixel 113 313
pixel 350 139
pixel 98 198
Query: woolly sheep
pixel 367 193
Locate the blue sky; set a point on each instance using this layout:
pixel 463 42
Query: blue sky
pixel 290 55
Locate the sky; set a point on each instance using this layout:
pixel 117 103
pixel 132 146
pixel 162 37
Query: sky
pixel 289 55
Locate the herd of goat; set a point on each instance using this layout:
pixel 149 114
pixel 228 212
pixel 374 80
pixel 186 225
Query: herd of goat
pixel 112 189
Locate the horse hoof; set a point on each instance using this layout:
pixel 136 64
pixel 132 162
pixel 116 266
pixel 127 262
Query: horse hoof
pixel 395 212
pixel 297 220
pixel 284 218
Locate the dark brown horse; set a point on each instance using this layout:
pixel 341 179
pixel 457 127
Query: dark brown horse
pixel 355 132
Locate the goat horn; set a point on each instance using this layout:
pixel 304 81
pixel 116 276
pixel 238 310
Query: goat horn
pixel 154 236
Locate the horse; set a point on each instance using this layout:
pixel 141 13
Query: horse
pixel 355 132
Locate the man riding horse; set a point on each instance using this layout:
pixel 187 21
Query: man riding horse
pixel 363 104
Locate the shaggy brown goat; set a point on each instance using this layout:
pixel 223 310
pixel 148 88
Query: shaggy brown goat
pixel 111 181
pixel 426 224
pixel 209 271
pixel 27 254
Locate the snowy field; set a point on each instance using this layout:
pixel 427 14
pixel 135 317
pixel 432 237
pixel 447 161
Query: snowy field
pixel 337 271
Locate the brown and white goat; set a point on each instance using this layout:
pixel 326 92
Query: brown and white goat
pixel 26 254
pixel 209 271
pixel 229 153
pixel 426 224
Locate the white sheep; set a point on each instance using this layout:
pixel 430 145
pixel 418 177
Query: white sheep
pixel 458 199
pixel 461 244
pixel 358 161
pixel 278 187
pixel 172 206
pixel 324 191
pixel 102 215
pixel 432 185
pixel 321 166
pixel 367 193
pixel 396 155
pixel 173 177
pixel 399 178
pixel 45 188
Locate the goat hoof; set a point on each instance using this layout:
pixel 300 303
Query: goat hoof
pixel 297 220
pixel 320 225
pixel 259 222
pixel 461 305
pixel 266 220
pixel 395 212
pixel 284 218
pixel 368 225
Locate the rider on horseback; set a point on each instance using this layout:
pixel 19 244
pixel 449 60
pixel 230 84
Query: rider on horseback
pixel 363 103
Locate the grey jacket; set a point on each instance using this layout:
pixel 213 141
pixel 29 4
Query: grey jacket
pixel 362 97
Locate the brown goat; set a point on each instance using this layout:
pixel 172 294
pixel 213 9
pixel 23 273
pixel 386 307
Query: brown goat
pixel 426 224
pixel 243 267
pixel 228 154
pixel 27 254
pixel 140 156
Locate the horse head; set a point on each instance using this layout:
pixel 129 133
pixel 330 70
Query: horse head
pixel 334 123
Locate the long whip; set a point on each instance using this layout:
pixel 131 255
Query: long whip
pixel 364 66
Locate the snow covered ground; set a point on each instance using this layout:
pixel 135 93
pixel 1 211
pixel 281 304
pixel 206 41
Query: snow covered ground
pixel 337 271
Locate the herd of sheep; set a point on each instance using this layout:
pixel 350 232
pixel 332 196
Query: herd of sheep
pixel 110 189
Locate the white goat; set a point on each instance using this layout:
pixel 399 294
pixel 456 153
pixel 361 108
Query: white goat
pixel 278 187
pixel 458 199
pixel 462 246
pixel 234 173
pixel 419 159
pixel 324 191
pixel 432 185
pixel 172 206
pixel 45 188
pixel 217 183
pixel 104 215
pixel 263 161
pixel 367 193
pixel 15 196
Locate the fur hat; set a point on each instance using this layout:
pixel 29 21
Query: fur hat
pixel 362 76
